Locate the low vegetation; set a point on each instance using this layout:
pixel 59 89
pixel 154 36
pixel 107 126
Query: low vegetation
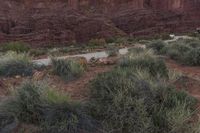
pixel 136 96
pixel 16 47
pixel 185 51
pixel 145 61
pixel 35 103
pixel 15 64
pixel 68 69
pixel 112 50
pixel 128 103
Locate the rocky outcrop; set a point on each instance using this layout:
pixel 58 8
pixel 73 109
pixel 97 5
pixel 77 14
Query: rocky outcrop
pixel 43 22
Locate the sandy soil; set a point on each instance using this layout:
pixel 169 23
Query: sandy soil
pixel 191 79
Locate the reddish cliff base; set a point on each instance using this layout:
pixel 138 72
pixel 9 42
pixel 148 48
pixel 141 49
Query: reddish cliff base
pixel 42 22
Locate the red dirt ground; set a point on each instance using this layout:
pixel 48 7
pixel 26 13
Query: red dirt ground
pixel 191 79
pixel 78 88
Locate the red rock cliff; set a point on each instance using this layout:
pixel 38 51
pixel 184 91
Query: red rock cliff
pixel 41 22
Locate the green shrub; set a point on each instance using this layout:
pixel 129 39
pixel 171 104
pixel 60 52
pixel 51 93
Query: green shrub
pixel 7 123
pixel 119 100
pixel 174 54
pixel 16 46
pixel 136 50
pixel 154 66
pixel 157 46
pixel 68 69
pixel 192 57
pixel 15 64
pixel 125 103
pixel 25 104
pixel 36 103
pixel 173 111
pixel 38 52
pixel 97 42
pixel 194 44
pixel 67 118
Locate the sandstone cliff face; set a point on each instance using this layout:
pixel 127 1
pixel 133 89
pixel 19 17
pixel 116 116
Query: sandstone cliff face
pixel 41 22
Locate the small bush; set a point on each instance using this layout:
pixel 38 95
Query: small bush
pixel 16 46
pixel 136 50
pixel 38 52
pixel 192 57
pixel 97 42
pixel 119 100
pixel 154 66
pixel 15 64
pixel 157 46
pixel 36 103
pixel 194 44
pixel 173 111
pixel 25 104
pixel 68 69
pixel 7 123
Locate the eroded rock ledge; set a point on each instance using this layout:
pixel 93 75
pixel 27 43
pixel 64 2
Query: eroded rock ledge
pixel 40 22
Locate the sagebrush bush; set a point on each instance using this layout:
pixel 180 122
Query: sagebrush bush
pixel 157 46
pixel 15 64
pixel 97 42
pixel 145 61
pixel 192 57
pixel 185 51
pixel 16 46
pixel 68 69
pixel 125 103
pixel 35 103
pixel 119 99
pixel 173 111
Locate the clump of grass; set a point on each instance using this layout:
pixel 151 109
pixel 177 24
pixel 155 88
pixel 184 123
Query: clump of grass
pixel 174 75
pixel 186 51
pixel 136 50
pixel 157 46
pixel 16 46
pixel 145 61
pixel 117 100
pixel 15 64
pixel 68 69
pixel 192 57
pixel 36 103
pixel 174 110
pixel 97 42
pixel 38 52
pixel 124 102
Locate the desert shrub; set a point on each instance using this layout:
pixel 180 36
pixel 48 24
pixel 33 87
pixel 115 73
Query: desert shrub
pixel 157 46
pixel 194 44
pixel 36 103
pixel 119 100
pixel 38 52
pixel 126 103
pixel 25 103
pixel 16 46
pixel 173 111
pixel 68 69
pixel 67 118
pixel 192 57
pixel 154 66
pixel 7 123
pixel 136 50
pixel 97 42
pixel 15 64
